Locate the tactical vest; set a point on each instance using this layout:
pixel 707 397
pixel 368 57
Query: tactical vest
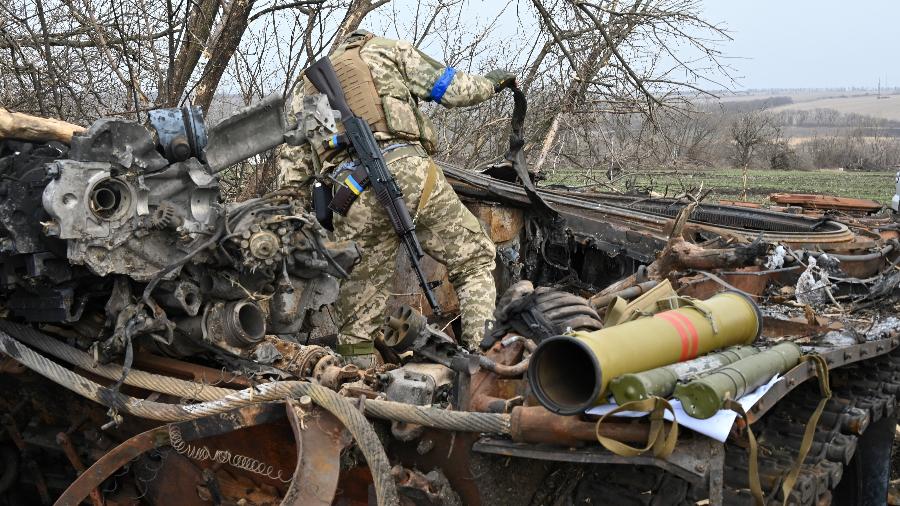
pixel 397 116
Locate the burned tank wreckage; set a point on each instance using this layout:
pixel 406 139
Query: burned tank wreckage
pixel 162 346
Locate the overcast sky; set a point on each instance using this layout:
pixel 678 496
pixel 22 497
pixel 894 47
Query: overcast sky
pixel 811 43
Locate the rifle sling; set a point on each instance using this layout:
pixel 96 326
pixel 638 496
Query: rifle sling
pixel 427 188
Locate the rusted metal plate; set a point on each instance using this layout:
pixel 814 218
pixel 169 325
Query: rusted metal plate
pixel 779 327
pixel 178 481
pixel 814 201
pixel 536 424
pixel 748 280
pixel 405 286
pixel 502 223
pixel 320 438
pixel 155 438
pixel 486 391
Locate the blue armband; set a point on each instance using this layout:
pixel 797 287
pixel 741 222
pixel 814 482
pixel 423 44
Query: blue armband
pixel 441 85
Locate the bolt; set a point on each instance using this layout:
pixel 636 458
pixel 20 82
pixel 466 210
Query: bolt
pixel 203 493
pixel 700 468
pixel 424 446
pixel 305 401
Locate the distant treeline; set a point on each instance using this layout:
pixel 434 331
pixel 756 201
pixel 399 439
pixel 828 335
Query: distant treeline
pixel 739 134
pixel 743 106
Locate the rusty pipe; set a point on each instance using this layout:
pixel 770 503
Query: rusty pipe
pixel 62 439
pixel 536 424
pixel 504 370
pixel 601 301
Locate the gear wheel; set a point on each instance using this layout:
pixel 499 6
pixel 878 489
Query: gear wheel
pixel 165 216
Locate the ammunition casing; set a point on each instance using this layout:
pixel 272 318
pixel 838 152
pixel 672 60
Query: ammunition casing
pixel 660 382
pixel 569 374
pixel 702 397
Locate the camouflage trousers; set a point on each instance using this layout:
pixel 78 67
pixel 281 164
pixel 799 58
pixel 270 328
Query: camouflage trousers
pixel 449 233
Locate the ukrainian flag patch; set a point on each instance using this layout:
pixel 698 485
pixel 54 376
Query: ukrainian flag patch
pixel 353 185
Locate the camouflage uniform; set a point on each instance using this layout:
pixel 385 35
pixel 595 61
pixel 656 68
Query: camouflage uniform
pixel 447 230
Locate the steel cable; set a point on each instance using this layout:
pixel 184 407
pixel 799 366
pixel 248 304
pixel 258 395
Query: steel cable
pixel 339 406
pixel 463 421
pixel 141 379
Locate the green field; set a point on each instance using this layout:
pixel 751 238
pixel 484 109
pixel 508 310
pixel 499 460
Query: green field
pixel 726 183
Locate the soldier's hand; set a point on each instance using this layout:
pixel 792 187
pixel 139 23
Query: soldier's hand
pixel 501 79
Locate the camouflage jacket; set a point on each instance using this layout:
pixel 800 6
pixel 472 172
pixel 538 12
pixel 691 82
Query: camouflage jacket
pixel 403 75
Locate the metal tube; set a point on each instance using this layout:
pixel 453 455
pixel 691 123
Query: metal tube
pixel 536 425
pixel 703 397
pixel 569 374
pixel 601 301
pixel 856 258
pixel 660 382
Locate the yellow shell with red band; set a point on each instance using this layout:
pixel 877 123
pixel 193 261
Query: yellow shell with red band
pixel 571 373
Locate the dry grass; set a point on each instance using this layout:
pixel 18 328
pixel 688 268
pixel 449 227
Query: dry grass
pixel 887 107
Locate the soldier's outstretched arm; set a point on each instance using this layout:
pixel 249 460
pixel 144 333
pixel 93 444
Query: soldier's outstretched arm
pixel 294 163
pixel 430 80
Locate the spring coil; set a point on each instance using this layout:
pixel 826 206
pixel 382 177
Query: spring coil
pixel 201 453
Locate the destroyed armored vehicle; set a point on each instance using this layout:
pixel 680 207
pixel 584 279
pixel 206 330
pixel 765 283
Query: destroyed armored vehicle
pixel 163 346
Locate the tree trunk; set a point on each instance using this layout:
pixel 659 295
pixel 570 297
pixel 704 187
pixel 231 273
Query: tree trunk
pixel 577 89
pixel 199 26
pixel 15 125
pixel 221 48
pixel 357 11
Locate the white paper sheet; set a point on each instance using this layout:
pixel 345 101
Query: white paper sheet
pixel 717 426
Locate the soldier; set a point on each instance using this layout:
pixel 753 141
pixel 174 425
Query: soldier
pixel 383 81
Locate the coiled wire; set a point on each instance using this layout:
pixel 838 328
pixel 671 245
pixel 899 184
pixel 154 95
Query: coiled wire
pixel 201 453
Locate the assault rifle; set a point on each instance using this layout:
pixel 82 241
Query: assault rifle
pixel 361 139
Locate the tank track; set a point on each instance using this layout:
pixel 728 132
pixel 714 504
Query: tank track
pixel 862 394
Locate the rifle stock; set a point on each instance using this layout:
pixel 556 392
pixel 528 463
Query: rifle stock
pixel 321 74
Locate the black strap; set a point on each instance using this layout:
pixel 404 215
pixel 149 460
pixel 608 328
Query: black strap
pixel 516 153
pixel 344 197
